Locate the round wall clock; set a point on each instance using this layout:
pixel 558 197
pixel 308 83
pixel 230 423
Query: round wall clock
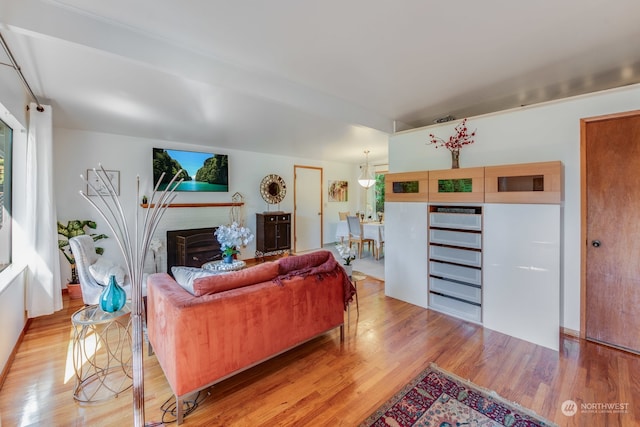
pixel 273 189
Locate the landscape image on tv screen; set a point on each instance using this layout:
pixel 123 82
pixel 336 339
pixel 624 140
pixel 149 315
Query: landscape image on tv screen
pixel 200 171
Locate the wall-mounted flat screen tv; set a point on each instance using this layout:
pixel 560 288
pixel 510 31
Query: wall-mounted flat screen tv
pixel 201 171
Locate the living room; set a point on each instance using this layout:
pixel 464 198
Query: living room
pixel 544 131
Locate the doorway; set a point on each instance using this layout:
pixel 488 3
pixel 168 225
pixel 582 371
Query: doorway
pixel 307 211
pixel 610 288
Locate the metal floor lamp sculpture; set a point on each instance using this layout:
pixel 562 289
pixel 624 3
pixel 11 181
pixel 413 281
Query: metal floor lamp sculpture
pixel 134 249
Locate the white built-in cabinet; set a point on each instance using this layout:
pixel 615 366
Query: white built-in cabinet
pixel 405 252
pixel 522 271
pixel 487 251
pixel 455 260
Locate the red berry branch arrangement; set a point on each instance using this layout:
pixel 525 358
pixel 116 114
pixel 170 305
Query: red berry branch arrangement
pixel 457 141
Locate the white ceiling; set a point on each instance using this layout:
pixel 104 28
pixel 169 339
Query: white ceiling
pixel 323 80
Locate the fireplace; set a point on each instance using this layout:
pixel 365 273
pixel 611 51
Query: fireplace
pixel 192 247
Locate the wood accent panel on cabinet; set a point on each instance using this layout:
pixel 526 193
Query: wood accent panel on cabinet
pixel 407 187
pixel 464 185
pixel 539 183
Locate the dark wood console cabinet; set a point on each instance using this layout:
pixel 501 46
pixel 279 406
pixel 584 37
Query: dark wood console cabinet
pixel 273 233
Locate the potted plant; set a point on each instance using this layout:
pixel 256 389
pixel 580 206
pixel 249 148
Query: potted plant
pixel 455 142
pixel 348 254
pixel 231 237
pixel 72 229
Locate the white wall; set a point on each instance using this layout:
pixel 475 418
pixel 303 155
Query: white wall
pixel 12 283
pixel 543 132
pixel 76 151
pixel 13 97
pixel 12 311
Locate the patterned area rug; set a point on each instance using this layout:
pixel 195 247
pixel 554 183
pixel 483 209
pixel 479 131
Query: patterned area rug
pixel 437 398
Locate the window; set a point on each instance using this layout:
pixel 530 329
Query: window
pixel 379 192
pixel 6 137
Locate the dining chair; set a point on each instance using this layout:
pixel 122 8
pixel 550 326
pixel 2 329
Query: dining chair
pixel 343 215
pixel 356 235
pixel 379 242
pixel 379 249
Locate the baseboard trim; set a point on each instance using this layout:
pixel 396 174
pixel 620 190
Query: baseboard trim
pixel 569 332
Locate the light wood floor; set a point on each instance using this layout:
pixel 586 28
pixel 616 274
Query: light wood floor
pixel 328 383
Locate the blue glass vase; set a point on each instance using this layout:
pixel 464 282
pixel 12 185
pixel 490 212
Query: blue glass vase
pixel 228 259
pixel 113 296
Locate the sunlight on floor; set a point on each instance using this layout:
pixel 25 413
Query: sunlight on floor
pixel 31 409
pixel 91 346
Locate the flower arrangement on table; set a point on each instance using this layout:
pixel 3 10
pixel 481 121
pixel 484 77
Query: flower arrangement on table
pixel 455 142
pixel 155 246
pixel 231 237
pixel 346 252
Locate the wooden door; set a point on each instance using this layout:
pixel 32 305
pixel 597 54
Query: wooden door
pixel 611 193
pixel 307 224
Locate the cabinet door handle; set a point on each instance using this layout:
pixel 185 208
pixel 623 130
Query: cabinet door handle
pixel 595 243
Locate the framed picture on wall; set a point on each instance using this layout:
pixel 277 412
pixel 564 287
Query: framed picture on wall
pixel 338 191
pixel 201 171
pixel 97 183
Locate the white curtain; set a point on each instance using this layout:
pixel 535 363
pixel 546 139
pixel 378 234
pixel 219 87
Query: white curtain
pixel 44 291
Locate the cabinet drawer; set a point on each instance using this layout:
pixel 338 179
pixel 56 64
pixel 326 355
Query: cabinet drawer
pixel 456 238
pixel 465 292
pixel 456 272
pixel 456 220
pixel 456 308
pixel 458 256
pixel 277 218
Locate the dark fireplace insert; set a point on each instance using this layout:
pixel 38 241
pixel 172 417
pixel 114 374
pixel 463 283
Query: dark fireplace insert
pixel 192 247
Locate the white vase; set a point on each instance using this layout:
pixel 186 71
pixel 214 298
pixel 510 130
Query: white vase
pixel 348 269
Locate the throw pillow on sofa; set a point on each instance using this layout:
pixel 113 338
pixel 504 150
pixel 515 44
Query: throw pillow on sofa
pixel 186 275
pixel 235 279
pixel 103 269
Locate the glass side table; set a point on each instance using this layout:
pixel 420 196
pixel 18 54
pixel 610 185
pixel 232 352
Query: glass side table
pixel 356 277
pixel 102 357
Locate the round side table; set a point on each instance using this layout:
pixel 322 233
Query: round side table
pixel 357 276
pixel 237 264
pixel 101 353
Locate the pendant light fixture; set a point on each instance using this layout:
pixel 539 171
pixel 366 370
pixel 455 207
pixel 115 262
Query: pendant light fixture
pixel 366 177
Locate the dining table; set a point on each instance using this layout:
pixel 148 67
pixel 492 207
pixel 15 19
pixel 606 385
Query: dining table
pixel 373 230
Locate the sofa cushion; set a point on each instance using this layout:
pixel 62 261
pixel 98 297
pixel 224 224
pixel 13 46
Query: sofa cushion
pixel 235 279
pixel 186 275
pixel 103 269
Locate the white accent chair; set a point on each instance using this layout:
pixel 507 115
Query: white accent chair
pixel 84 252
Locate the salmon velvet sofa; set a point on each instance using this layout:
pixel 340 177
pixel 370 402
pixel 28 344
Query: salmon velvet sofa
pixel 235 320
